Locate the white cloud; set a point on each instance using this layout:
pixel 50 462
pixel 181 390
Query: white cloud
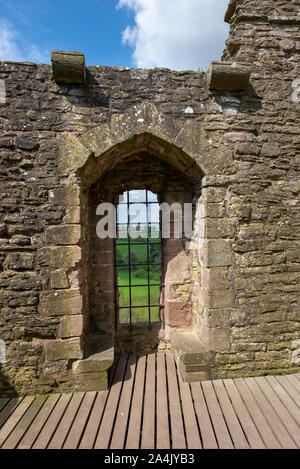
pixel 178 34
pixel 15 48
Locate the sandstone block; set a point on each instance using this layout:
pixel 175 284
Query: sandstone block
pixel 72 215
pixel 178 314
pixel 213 195
pixel 214 210
pixel 68 349
pixel 219 339
pixel 59 257
pixel 19 261
pixel 63 235
pixel 71 326
pixel 219 228
pixel 97 362
pixel 59 279
pixel 251 230
pixel 215 278
pixel 216 253
pixel 60 303
pixel 213 298
pixel 69 195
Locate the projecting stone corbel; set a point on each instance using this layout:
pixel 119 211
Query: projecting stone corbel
pixel 228 76
pixel 230 10
pixel 68 67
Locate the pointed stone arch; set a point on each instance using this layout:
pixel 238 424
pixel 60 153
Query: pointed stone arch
pixel 140 124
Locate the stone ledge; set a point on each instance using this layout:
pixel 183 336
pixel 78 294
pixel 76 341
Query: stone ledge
pixel 192 357
pixel 99 361
pixel 91 373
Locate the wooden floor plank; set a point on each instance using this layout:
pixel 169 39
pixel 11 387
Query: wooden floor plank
pixel 91 430
pixel 3 402
pixel 215 412
pixel 52 423
pixel 206 429
pixel 162 412
pixel 258 418
pixel 24 424
pixel 285 398
pixel 106 426
pixel 177 428
pixel 135 418
pixel 32 433
pixel 275 423
pixel 8 410
pixel 119 433
pixel 149 406
pixel 241 411
pixel 148 425
pixel 290 389
pixel 78 424
pixel 190 422
pixel 294 382
pixel 233 424
pixel 280 409
pixel 14 418
pixel 64 426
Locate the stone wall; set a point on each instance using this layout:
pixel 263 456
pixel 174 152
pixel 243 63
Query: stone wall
pixel 56 141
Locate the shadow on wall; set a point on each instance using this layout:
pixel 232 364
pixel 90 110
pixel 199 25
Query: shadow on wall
pixel 232 103
pixel 89 95
pixel 6 389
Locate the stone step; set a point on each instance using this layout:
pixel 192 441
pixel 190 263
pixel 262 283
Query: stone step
pixel 192 357
pixel 91 373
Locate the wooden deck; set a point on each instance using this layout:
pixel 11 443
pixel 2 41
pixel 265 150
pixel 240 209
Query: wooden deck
pixel 149 406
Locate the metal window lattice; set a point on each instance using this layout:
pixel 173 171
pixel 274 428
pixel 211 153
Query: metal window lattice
pixel 128 246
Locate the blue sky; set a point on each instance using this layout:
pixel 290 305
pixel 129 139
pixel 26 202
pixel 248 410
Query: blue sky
pixel 178 34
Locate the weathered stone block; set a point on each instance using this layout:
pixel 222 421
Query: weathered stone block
pixel 216 253
pixel 215 278
pixel 219 339
pixel 68 349
pixel 59 279
pixel 63 235
pixel 97 362
pixel 59 257
pixel 71 326
pixel 213 298
pixel 251 230
pixel 219 228
pixel 69 195
pixel 19 261
pixel 214 210
pixel 271 149
pixel 72 215
pixel 26 144
pixel 60 303
pixel 213 195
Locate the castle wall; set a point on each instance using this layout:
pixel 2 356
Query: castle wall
pixel 246 256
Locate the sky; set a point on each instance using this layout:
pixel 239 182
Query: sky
pixel 176 34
